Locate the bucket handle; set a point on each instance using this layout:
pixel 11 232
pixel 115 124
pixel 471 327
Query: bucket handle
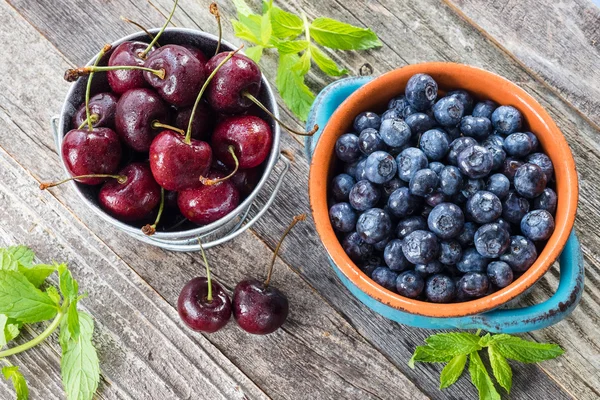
pixel 54 126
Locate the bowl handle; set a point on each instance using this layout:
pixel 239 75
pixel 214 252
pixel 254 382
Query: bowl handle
pixel 54 126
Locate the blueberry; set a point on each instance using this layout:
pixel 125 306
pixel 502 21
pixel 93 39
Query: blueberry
pixel 360 172
pixel 470 187
pixel 350 168
pixel 385 277
pixel 346 148
pixel 421 91
pixel 341 186
pixel 450 252
pixel 380 246
pixel 446 220
pixel 419 123
pixel 499 185
pixel 534 141
pixel 506 120
pixel 537 225
pixel 504 224
pixel 530 180
pixel 369 141
pixel 410 284
pixel 392 113
pixel 435 199
pixel 521 254
pixel 491 240
pixel 356 248
pixel 474 284
pixel 409 161
pixel 368 268
pixel 544 162
pixel 410 110
pixel 394 257
pixel 420 247
pixel 500 274
pixel 518 144
pixel 475 161
pixel 457 146
pixel 467 235
pixel 394 132
pixel 435 144
pixel 448 111
pixel 398 103
pixel 366 120
pixel 451 180
pixel 494 140
pixel 546 201
pixel 423 182
pixel 472 261
pixel 477 127
pixel 374 225
pixel 509 168
pixel 498 155
pixel 453 133
pixel 514 208
pixel 364 195
pixel 426 210
pixel 409 225
pixel 380 167
pixel 484 109
pixel 465 98
pixel 342 217
pixel 484 207
pixel 390 186
pixel 440 289
pixel 402 203
pixel 432 267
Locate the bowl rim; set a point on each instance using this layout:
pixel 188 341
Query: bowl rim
pixel 566 188
pixel 200 230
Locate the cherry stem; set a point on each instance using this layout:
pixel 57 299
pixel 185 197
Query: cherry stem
pixel 93 118
pixel 143 54
pixel 210 182
pixel 262 107
pixel 158 10
pixel 148 229
pixel 209 297
pixel 88 87
pixel 296 219
pixel 146 31
pixel 120 178
pixel 72 74
pixel 214 10
pixel 188 136
pixel 157 124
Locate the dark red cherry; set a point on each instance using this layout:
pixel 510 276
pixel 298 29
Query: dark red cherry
pixel 170 200
pixel 177 165
pixel 203 120
pixel 245 180
pixel 258 308
pixel 133 200
pixel 184 74
pixel 136 111
pixel 225 92
pixel 127 53
pixel 196 52
pixel 91 152
pixel 250 136
pixel 207 203
pixel 199 313
pixel 103 105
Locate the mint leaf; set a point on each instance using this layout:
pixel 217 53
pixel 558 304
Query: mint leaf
pixel 303 66
pixel 292 47
pixel 481 379
pixel 73 320
pixel 20 300
pixel 255 53
pixel 296 95
pixel 428 354
pixel 52 292
pixel 486 339
pixel 21 254
pixel 68 286
pixel 242 8
pixel 8 330
pixel 244 32
pixel 454 343
pixel 7 262
pixel 525 351
pixel 339 35
pixel 325 63
pixel 453 370
pixel 500 368
pixel 37 274
pixel 79 364
pixel 12 373
pixel 285 24
pixel 266 29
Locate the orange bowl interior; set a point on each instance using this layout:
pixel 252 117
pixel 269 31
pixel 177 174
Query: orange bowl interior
pixel 482 84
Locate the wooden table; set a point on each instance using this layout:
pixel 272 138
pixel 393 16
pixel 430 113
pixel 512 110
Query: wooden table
pixel 331 346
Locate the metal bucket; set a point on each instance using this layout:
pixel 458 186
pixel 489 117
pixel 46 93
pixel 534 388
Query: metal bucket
pixel 184 237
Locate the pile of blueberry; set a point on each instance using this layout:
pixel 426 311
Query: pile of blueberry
pixel 442 199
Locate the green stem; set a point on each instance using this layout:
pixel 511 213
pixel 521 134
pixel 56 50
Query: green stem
pixel 158 124
pixel 306 27
pixel 145 52
pixel 93 118
pixel 120 178
pixel 88 87
pixel 36 340
pixel 296 219
pixel 478 332
pixel 151 229
pixel 214 10
pixel 151 36
pixel 210 182
pixel 209 296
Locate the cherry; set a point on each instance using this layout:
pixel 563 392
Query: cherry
pixel 136 111
pixel 203 120
pixel 245 180
pixel 134 199
pixel 250 136
pixel 258 307
pixel 203 305
pixel 197 53
pixel 127 53
pixel 103 106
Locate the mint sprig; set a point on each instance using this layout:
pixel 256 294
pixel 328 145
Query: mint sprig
pixel 297 40
pixel 456 347
pixel 22 301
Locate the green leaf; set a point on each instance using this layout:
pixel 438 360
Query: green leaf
pixel 7 262
pixel 266 29
pixel 79 364
pixel 285 25
pixel 525 351
pixel 244 32
pixel 481 379
pixel 296 95
pixel 453 370
pixel 254 52
pixel 303 65
pixel 11 330
pixel 21 254
pixel 485 340
pixel 20 300
pixel 338 35
pixel 500 368
pixel 52 292
pixel 73 320
pixel 325 63
pixel 292 46
pixel 428 354
pixel 37 274
pixel 18 380
pixel 68 286
pixel 454 343
pixel 242 8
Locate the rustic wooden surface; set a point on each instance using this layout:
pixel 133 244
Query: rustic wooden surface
pixel 332 346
